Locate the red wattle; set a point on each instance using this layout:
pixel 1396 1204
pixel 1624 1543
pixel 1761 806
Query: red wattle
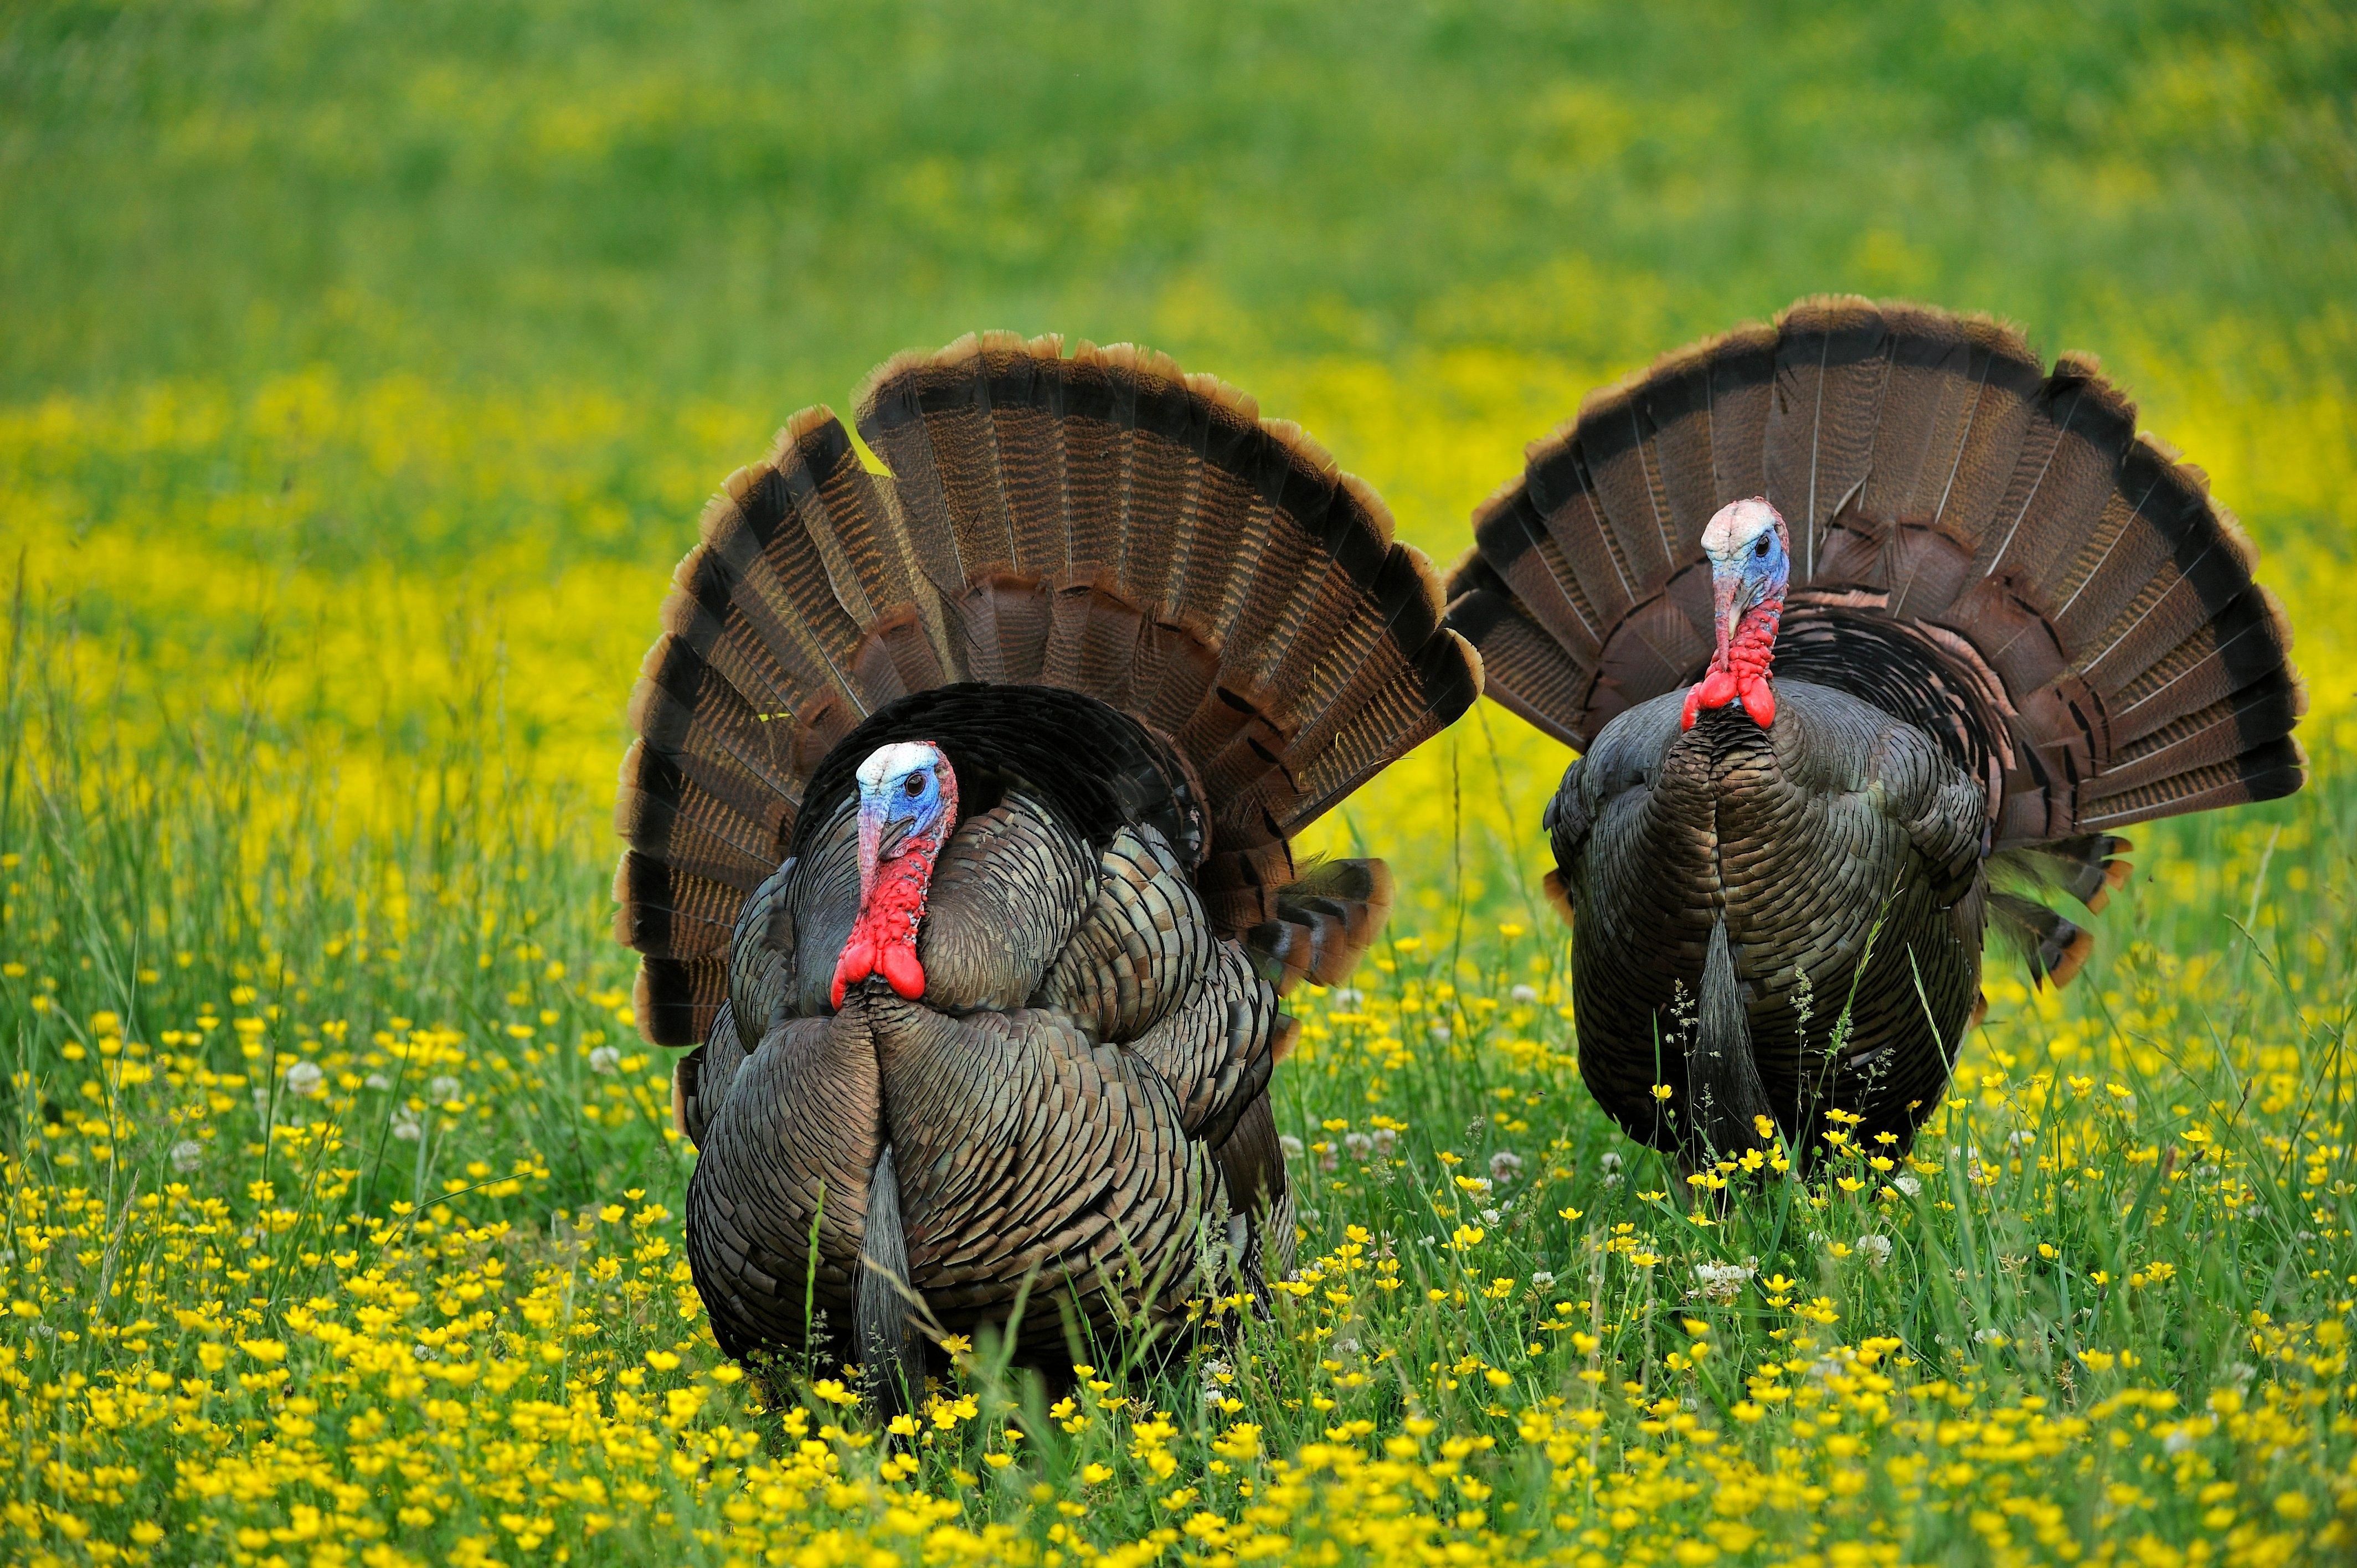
pixel 1741 671
pixel 857 963
pixel 883 939
pixel 903 972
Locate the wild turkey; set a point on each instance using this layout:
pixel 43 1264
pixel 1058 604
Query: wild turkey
pixel 959 840
pixel 2013 627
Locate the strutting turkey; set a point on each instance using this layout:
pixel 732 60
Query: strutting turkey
pixel 958 833
pixel 2003 626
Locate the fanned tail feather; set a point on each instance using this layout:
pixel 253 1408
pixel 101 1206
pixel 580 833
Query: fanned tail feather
pixel 2086 867
pixel 2055 949
pixel 1326 920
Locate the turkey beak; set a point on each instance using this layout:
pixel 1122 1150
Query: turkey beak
pixel 1728 601
pixel 891 836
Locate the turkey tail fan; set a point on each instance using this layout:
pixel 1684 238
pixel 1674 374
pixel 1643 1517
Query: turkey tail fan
pixel 1101 523
pixel 1981 546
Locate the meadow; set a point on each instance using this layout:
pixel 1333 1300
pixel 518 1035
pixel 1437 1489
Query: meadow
pixel 361 373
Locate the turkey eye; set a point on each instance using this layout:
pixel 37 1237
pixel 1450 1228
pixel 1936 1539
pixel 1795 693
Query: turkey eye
pixel 915 785
pixel 1761 548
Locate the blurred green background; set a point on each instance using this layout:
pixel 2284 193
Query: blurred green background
pixel 763 199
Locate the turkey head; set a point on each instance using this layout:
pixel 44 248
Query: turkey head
pixel 907 802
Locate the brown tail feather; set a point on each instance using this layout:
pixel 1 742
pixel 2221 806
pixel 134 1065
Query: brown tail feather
pixel 2086 867
pixel 2054 949
pixel 1103 524
pixel 1831 373
pixel 1326 920
pixel 2064 585
pixel 1527 670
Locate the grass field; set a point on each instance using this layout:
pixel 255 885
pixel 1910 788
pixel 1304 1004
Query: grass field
pixel 361 373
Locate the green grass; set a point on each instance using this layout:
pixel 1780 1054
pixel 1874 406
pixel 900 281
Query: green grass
pixel 361 370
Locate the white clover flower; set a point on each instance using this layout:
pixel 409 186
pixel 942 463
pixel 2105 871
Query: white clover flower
pixel 1348 996
pixel 605 1059
pixel 1359 1145
pixel 1524 994
pixel 1477 1186
pixel 1505 1166
pixel 1610 1162
pixel 443 1090
pixel 407 1126
pixel 1908 1185
pixel 1385 1140
pixel 1874 1249
pixel 1542 1280
pixel 378 1081
pixel 1988 1336
pixel 2177 1441
pixel 307 1079
pixel 1722 1283
pixel 1347 1346
pixel 1293 1146
pixel 1490 1216
pixel 187 1155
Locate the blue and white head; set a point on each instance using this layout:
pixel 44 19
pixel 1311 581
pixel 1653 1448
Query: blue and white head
pixel 908 804
pixel 1750 562
pixel 1751 565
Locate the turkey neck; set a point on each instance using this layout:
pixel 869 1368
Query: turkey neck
pixel 1749 652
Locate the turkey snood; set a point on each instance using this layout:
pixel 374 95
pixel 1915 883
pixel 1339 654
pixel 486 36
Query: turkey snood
pixel 908 804
pixel 1750 562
